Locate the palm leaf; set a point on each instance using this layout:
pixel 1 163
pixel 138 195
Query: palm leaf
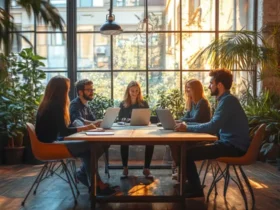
pixel 44 11
pixel 237 50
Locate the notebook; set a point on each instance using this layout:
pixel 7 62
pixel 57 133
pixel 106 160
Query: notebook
pixel 90 133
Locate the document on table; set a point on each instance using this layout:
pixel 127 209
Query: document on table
pixel 99 133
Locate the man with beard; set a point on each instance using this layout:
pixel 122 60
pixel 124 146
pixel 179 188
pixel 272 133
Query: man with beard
pixel 229 121
pixel 81 114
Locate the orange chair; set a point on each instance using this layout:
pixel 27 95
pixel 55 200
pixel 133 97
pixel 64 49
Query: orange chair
pixel 249 158
pixel 49 153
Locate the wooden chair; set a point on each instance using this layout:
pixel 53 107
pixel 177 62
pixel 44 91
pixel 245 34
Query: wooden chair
pixel 49 153
pixel 237 162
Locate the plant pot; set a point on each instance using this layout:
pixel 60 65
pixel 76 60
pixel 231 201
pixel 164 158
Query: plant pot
pixel 14 155
pixel 154 119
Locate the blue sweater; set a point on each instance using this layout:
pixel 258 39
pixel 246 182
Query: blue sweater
pixel 229 120
pixel 199 113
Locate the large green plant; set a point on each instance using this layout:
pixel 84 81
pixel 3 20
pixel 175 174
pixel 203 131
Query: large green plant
pixel 238 50
pixel 21 92
pixel 263 109
pixel 172 100
pixel 100 104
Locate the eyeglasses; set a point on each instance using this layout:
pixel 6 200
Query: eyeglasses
pixel 90 90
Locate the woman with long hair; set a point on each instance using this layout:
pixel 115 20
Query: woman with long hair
pixel 133 99
pixel 197 106
pixel 52 123
pixel 197 111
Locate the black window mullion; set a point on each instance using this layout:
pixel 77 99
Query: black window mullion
pixel 72 44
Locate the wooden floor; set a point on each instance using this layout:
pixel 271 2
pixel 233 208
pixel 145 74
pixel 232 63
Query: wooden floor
pixel 53 193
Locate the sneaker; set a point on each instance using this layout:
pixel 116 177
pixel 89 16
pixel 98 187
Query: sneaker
pixel 146 172
pixel 82 177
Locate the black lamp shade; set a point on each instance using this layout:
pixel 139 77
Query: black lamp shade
pixel 110 28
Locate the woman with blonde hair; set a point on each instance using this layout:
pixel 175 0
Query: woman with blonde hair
pixel 197 111
pixel 197 106
pixel 52 123
pixel 133 99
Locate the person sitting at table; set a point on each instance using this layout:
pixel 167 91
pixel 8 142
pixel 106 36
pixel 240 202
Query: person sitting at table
pixel 198 111
pixel 229 120
pixel 52 122
pixel 81 114
pixel 133 99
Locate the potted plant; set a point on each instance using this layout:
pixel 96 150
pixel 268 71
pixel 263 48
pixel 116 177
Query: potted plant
pixel 99 105
pixel 172 100
pixel 21 93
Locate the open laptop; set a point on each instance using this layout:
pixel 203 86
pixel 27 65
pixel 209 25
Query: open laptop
pixel 166 119
pixel 140 117
pixel 110 117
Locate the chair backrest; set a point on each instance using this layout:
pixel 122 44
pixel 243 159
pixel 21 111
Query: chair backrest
pixel 44 151
pixel 252 153
pixel 254 148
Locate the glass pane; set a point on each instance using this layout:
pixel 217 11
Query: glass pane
pixel 101 81
pixel 164 51
pixel 241 79
pixel 21 19
pixel 162 17
pixel 234 15
pixel 93 52
pixel 18 46
pixel 61 7
pixel 93 17
pixel 198 15
pixel 192 44
pixel 49 75
pixel 158 81
pixel 121 80
pixel 53 47
pixel 129 51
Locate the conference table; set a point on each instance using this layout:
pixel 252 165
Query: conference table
pixel 139 135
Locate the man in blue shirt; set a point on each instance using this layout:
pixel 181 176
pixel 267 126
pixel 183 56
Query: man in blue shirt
pixel 229 121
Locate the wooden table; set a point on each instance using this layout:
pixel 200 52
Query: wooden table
pixel 140 135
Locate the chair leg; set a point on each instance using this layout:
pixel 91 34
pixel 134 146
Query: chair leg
pixel 41 178
pixel 69 181
pixel 227 178
pixel 206 171
pixel 72 179
pixel 248 185
pixel 36 180
pixel 202 164
pixel 216 179
pixel 241 188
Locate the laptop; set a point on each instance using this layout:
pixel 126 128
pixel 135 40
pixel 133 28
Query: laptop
pixel 110 117
pixel 140 117
pixel 166 119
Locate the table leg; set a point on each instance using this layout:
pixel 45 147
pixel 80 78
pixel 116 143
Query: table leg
pixel 93 161
pixel 183 169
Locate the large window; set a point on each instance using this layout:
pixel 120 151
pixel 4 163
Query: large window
pixel 159 41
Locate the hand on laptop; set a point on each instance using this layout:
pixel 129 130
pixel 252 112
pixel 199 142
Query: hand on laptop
pixel 97 122
pixel 180 127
